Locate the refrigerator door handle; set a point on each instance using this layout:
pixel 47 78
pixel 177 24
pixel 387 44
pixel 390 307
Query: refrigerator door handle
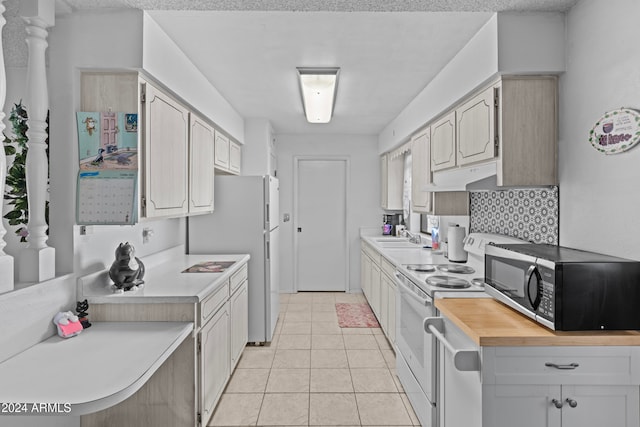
pixel 268 250
pixel 268 216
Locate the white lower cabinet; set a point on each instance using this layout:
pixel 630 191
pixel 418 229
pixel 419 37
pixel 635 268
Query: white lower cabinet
pixel 379 289
pixel 365 274
pixel 375 289
pixel 562 406
pixel 554 386
pixel 213 346
pixel 239 313
pixel 388 307
pixel 207 362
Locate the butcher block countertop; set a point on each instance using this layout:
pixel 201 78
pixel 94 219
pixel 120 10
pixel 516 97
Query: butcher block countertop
pixel 492 324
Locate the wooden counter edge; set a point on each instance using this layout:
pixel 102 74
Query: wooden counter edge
pixel 498 326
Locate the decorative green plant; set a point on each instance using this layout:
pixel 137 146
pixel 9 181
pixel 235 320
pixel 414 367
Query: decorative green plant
pixel 16 181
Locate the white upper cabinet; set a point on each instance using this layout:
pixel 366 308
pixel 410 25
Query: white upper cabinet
pixel 443 142
pixel 222 151
pixel 392 174
pixel 421 171
pixel 166 138
pixel 228 155
pixel 475 128
pixel 512 122
pixel 235 158
pixel 201 172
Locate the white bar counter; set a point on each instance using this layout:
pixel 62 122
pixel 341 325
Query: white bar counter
pixel 164 280
pixel 95 370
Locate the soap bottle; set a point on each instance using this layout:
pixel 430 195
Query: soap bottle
pixel 435 239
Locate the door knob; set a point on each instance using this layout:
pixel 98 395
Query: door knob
pixel 299 229
pixel 558 404
pixel 571 402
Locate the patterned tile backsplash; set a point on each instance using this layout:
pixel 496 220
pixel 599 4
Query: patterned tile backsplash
pixel 528 214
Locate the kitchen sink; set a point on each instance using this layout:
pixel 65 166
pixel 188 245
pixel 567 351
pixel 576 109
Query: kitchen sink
pixel 398 244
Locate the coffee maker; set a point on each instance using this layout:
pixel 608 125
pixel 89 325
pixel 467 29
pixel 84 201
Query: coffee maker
pixel 389 223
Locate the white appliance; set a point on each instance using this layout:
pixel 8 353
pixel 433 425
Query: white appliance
pixel 418 286
pixel 245 220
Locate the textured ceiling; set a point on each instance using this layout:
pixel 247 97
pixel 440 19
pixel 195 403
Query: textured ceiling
pixel 333 5
pixel 388 50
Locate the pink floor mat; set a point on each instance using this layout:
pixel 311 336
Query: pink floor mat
pixel 352 315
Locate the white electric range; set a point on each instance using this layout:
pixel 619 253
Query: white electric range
pixel 418 285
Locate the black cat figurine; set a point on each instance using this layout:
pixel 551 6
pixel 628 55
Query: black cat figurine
pixel 127 270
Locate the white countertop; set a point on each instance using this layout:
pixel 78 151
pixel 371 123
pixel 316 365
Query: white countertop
pixel 90 372
pixel 417 254
pixel 164 280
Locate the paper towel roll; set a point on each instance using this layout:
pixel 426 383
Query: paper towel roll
pixel 455 237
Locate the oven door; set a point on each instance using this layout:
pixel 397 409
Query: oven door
pixel 416 347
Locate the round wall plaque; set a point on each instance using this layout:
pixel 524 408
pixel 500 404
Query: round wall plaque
pixel 616 131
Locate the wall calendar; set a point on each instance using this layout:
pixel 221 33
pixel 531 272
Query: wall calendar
pixel 108 168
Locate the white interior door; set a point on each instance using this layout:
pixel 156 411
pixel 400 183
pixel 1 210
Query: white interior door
pixel 320 228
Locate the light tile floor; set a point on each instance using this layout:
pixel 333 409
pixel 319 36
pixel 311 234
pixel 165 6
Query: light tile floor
pixel 315 373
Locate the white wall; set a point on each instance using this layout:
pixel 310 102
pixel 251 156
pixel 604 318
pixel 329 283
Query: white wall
pixel 599 194
pixel 167 63
pixel 256 151
pixel 363 208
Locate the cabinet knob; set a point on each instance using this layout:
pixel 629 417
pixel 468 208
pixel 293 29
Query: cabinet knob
pixel 558 404
pixel 571 402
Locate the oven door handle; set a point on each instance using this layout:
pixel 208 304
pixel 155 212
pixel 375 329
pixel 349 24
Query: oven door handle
pixel 463 360
pixel 425 302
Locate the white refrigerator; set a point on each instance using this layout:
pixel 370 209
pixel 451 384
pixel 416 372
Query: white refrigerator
pixel 245 220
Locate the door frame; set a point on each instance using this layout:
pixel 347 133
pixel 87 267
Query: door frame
pixel 344 233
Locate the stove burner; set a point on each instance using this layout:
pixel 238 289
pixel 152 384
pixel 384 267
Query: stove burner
pixel 426 268
pixel 447 282
pixel 455 268
pixel 478 281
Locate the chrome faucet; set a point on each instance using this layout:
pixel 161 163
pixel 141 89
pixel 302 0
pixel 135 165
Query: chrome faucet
pixel 413 238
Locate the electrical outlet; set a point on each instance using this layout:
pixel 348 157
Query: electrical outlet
pixel 147 233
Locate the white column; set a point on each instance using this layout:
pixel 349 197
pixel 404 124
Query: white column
pixel 6 261
pixel 37 260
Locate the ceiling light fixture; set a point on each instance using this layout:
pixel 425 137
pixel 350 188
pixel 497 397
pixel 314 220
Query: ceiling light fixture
pixel 318 87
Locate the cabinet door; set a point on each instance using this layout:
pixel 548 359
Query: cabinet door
pixel 521 405
pixel 392 175
pixel 365 275
pixel 475 128
pixel 235 157
pixel 239 316
pixel 166 131
pixel 214 360
pixel 421 171
pixel 443 142
pixel 201 172
pixel 384 304
pixel 384 185
pixel 611 406
pixel 375 289
pixel 391 326
pixel 221 158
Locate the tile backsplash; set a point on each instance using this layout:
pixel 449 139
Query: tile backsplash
pixel 530 214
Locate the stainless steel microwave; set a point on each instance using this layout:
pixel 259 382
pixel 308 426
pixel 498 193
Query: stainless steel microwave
pixel 565 289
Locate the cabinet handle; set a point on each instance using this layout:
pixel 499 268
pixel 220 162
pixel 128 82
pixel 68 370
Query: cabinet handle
pixel 558 404
pixel 555 365
pixel 571 402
